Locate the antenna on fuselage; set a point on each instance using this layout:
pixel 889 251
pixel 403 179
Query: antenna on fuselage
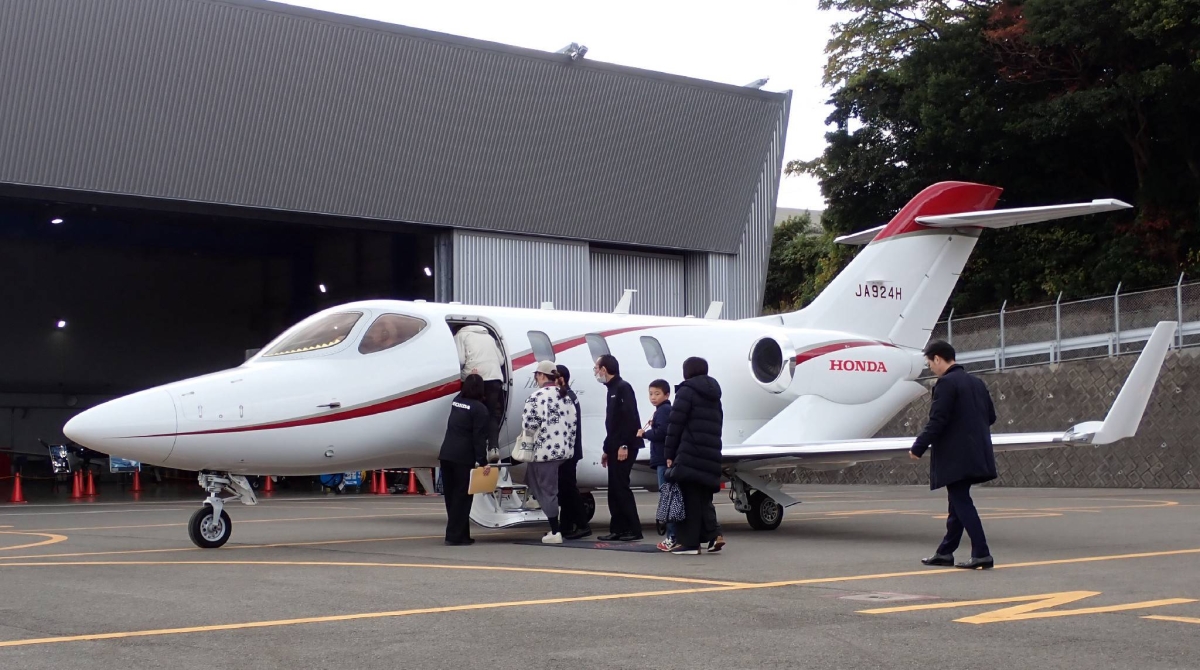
pixel 714 310
pixel 625 302
pixel 548 305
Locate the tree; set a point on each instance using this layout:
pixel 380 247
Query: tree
pixel 1055 100
pixel 802 264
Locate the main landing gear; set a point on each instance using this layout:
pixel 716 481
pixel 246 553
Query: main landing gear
pixel 761 510
pixel 210 526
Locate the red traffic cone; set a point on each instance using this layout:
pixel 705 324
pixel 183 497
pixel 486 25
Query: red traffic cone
pixel 412 482
pixel 77 485
pixel 18 496
pixel 137 482
pixel 381 488
pixel 268 486
pixel 373 485
pixel 91 484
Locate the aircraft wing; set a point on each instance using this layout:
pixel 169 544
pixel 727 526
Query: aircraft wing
pixel 1122 422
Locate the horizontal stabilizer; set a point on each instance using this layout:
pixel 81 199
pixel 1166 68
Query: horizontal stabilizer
pixel 1004 218
pixel 997 218
pixel 1122 422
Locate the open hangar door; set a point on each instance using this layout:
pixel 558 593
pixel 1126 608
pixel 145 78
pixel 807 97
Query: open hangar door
pixel 100 301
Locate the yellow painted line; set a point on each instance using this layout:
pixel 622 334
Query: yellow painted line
pixel 422 566
pixel 1177 619
pixel 1094 559
pixel 549 601
pixel 357 617
pixel 241 521
pixel 51 538
pixel 1033 607
pixel 129 552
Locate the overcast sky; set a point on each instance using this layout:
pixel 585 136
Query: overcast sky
pixel 735 43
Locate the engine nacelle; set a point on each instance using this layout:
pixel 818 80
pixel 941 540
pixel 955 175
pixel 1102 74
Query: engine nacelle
pixel 773 363
pixel 851 373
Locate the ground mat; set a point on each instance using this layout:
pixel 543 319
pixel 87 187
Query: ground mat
pixel 636 547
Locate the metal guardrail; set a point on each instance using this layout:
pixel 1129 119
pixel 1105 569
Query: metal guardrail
pixel 1093 328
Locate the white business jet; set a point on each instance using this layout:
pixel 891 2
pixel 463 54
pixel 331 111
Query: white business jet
pixel 368 385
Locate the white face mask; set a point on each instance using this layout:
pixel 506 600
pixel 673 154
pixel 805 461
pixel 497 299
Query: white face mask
pixel 600 378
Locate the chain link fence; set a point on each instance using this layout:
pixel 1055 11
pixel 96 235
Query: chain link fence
pixel 1075 330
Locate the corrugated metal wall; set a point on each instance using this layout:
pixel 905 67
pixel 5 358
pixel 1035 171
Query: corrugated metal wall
pixel 514 271
pixel 658 280
pixel 261 104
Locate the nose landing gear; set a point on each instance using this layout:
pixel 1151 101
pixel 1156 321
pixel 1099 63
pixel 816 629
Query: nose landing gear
pixel 210 526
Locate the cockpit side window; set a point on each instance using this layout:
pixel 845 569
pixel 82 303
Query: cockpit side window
pixel 388 331
pixel 321 334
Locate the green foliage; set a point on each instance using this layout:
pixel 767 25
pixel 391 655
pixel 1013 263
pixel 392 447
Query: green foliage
pixel 802 264
pixel 1054 100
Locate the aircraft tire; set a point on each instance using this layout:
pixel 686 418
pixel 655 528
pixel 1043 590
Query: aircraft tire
pixel 203 532
pixel 589 505
pixel 764 514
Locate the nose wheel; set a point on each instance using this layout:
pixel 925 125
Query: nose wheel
pixel 210 526
pixel 209 529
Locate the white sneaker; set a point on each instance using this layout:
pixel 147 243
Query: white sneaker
pixel 533 504
pixel 552 538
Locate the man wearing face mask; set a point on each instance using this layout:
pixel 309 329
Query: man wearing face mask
pixel 621 443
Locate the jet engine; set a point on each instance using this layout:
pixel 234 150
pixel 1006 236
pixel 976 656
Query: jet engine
pixel 773 363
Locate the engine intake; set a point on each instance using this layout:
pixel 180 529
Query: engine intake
pixel 773 362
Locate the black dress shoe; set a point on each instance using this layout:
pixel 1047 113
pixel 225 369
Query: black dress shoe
pixel 946 560
pixel 984 563
pixel 630 537
pixel 578 533
pixel 460 543
pixel 611 537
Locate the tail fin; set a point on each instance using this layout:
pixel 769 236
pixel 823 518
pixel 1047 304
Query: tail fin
pixel 897 287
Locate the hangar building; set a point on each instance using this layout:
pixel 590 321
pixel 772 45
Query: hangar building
pixel 180 180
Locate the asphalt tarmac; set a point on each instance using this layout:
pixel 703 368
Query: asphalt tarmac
pixel 1084 579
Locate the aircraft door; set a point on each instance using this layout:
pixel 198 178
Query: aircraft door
pixel 473 344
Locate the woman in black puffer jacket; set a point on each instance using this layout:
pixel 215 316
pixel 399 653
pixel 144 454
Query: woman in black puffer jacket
pixel 693 451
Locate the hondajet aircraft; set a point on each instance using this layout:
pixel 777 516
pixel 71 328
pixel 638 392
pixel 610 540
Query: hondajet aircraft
pixel 368 385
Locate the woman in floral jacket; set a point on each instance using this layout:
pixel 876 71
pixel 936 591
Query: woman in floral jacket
pixel 550 417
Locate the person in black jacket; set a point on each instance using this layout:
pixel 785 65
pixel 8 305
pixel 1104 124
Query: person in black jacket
pixel 693 452
pixel 464 447
pixel 960 434
pixel 621 444
pixel 572 517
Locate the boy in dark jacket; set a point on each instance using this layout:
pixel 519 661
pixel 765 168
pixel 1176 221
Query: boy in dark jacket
pixel 656 432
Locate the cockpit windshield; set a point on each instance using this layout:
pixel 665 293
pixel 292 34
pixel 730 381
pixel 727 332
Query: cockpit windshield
pixel 321 334
pixel 389 331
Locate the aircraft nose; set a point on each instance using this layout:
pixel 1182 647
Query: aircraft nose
pixel 139 427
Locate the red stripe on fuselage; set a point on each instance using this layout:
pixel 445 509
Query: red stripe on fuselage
pixel 440 391
pixel 805 356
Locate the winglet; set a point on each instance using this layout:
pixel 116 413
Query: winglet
pixel 1126 413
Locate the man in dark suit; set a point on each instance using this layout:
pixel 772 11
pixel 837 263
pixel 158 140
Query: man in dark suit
pixel 959 430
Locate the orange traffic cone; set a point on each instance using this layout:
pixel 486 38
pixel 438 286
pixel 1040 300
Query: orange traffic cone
pixel 91 484
pixel 373 486
pixel 18 496
pixel 268 486
pixel 381 488
pixel 137 482
pixel 412 482
pixel 77 485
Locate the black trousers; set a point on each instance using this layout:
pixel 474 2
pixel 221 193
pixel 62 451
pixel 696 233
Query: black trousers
pixel 456 480
pixel 493 397
pixel 570 503
pixel 622 508
pixel 963 516
pixel 699 525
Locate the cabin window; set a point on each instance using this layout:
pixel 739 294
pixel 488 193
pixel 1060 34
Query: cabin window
pixel 597 345
pixel 323 333
pixel 388 331
pixel 543 348
pixel 654 353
